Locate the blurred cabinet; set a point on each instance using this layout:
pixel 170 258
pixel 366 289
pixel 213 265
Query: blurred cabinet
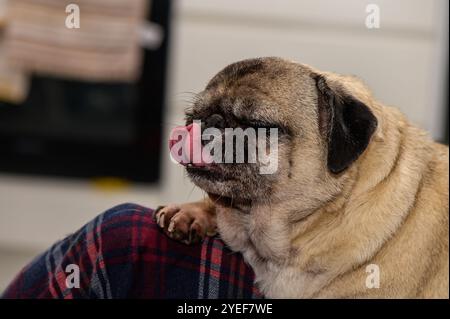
pixel 89 128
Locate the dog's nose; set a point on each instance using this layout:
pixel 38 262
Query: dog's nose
pixel 185 145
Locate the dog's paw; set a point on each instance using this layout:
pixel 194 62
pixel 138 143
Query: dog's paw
pixel 188 223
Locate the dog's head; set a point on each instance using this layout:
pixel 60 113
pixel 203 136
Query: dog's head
pixel 323 122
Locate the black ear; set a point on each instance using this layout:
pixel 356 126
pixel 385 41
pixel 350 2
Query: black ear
pixel 346 123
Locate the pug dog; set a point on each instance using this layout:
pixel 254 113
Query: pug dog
pixel 358 206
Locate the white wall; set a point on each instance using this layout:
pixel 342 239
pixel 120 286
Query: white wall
pixel 401 62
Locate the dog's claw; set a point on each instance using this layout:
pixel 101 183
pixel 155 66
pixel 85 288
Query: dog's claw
pixel 156 213
pixel 186 223
pixel 171 227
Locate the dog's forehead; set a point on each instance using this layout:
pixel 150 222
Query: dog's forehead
pixel 244 101
pixel 257 88
pixel 261 70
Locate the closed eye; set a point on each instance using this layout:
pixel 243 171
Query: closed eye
pixel 266 125
pixel 258 124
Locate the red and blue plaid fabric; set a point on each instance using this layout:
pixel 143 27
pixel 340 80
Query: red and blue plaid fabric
pixel 123 254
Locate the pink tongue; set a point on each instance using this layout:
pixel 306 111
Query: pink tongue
pixel 191 150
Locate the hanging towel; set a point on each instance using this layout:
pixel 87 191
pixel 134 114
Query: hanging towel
pixel 13 81
pixel 105 48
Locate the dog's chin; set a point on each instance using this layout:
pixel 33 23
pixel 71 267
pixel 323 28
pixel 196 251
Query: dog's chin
pixel 218 183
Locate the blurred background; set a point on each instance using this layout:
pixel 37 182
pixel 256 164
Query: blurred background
pixel 85 112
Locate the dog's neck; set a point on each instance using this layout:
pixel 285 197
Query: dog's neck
pixel 242 205
pixel 271 235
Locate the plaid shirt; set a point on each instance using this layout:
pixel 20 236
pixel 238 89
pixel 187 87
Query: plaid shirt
pixel 123 254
